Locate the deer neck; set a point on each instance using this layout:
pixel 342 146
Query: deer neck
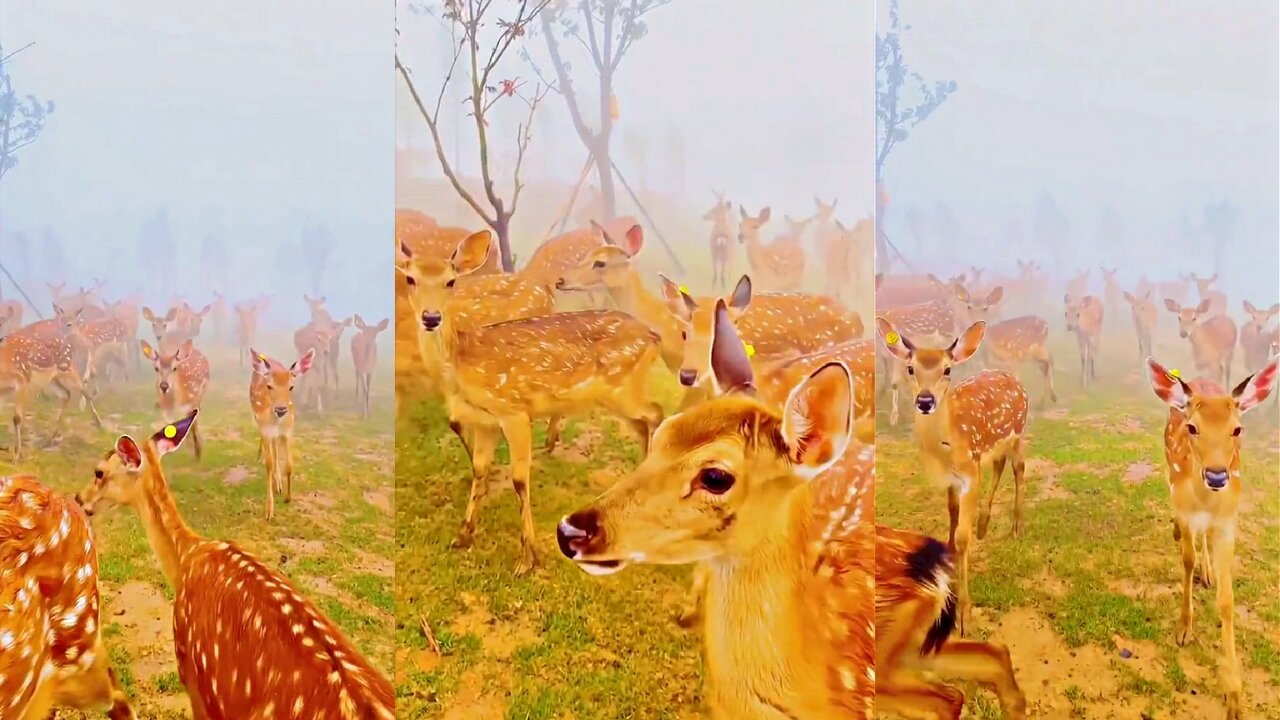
pixel 933 431
pixel 170 536
pixel 635 299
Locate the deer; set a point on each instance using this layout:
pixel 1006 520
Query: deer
pixel 247 315
pixel 1204 287
pixel 720 242
pixel 364 357
pixel 1202 452
pixel 10 316
pixel 125 310
pixel 779 266
pixel 960 429
pixel 895 291
pixel 317 340
pixel 1255 341
pixel 845 253
pixel 1008 343
pixel 319 313
pixel 218 314
pixel 1111 290
pixel 52 654
pixel 105 339
pixel 271 400
pixel 182 376
pixel 563 252
pixel 1175 290
pixel 500 377
pixel 33 360
pixel 284 657
pixel 1213 339
pixel 1078 285
pixel 1084 320
pixel 931 319
pixel 1143 309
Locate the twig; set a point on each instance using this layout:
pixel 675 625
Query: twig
pixel 15 52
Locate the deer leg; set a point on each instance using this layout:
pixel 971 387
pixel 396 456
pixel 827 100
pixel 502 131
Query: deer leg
pixel 285 455
pixel 1045 362
pixel 519 434
pixel 267 447
pixel 1223 546
pixel 461 432
pixel 196 444
pixel 689 613
pixel 1019 484
pixel 984 515
pixel 953 516
pixel 969 498
pixel 1188 570
pixel 486 441
pixel 554 426
pixel 1204 560
pixel 900 688
pixel 895 382
pixel 986 664
pixel 58 422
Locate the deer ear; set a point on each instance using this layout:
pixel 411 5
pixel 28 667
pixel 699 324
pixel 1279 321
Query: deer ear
pixel 633 240
pixel 765 214
pixel 147 351
pixel 260 364
pixel 1128 297
pixel 170 437
pixel 1172 305
pixel 1249 308
pixel 472 253
pixel 730 366
pixel 1172 390
pixel 184 352
pixel 382 325
pixel 1203 307
pixel 1255 388
pixel 741 296
pixel 1274 309
pixel 359 322
pixel 896 343
pixel 146 313
pixel 967 344
pixel 995 295
pixel 129 452
pixel 304 363
pixel 744 212
pixel 817 420
pixel 677 301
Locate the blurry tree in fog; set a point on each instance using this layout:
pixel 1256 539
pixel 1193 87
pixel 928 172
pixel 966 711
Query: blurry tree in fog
pixel 22 117
pixel 1220 225
pixel 317 248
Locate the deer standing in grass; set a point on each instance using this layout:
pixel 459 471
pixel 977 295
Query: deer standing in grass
pixel 247 315
pixel 318 340
pixel 182 376
pixel 1143 309
pixel 271 400
pixel 1204 288
pixel 1084 320
pixel 500 377
pixel 51 649
pixel 962 429
pixel 553 258
pixel 1213 339
pixel 246 642
pixel 1255 340
pixel 932 319
pixel 364 357
pixel 778 267
pixel 1202 451
pixel 1008 343
pixel 845 254
pixel 31 360
pixel 721 240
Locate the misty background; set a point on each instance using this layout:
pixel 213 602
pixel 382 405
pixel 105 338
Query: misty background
pixel 254 137
pixel 1139 131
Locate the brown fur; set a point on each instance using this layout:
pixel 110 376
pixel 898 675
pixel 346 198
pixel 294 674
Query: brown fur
pixel 778 266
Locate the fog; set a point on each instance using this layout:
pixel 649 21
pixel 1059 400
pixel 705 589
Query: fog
pixel 1132 116
pixel 770 105
pixel 243 122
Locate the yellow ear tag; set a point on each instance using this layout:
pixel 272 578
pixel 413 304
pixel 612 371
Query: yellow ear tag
pixel 684 289
pixel 1174 372
pixel 751 349
pixel 891 338
pixel 170 431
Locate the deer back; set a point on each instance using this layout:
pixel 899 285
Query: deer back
pixel 927 319
pixel 1016 339
pixel 776 382
pixel 1214 337
pixel 776 323
pixel 986 409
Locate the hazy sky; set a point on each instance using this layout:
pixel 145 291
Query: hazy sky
pixel 1153 107
pixel 241 117
pixel 774 105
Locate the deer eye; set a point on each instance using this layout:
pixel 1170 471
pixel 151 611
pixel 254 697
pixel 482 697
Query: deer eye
pixel 684 334
pixel 1193 429
pixel 451 283
pixel 410 281
pixel 946 372
pixel 1236 432
pixel 598 265
pixel 270 386
pixel 714 480
pixel 97 474
pixel 911 369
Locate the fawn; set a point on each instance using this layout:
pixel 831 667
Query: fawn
pixel 1213 339
pixel 182 376
pixel 364 356
pixel 961 429
pixel 779 266
pixel 1202 451
pixel 284 657
pixel 1008 343
pixel 1144 313
pixel 51 649
pixel 1255 341
pixel 720 241
pixel 271 400
pixel 500 377
pixel 1084 320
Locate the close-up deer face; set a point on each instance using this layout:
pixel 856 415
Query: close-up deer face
pixel 431 281
pixel 749 225
pixel 167 365
pixel 117 477
pixel 68 320
pixel 1187 316
pixel 608 266
pixel 1259 318
pixel 929 369
pixel 278 380
pixel 697 325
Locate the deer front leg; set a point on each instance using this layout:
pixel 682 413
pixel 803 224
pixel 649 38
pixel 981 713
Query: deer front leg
pixel 484 444
pixel 197 444
pixel 969 492
pixel 267 448
pixel 1188 571
pixel 519 436
pixel 285 456
pixel 1223 546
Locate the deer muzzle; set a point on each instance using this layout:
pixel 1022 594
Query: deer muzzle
pixel 430 320
pixel 926 403
pixel 164 386
pixel 1215 478
pixel 688 377
pixel 281 410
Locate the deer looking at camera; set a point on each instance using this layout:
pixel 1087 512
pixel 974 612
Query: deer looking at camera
pixel 960 429
pixel 1213 339
pixel 930 319
pixel 182 376
pixel 778 267
pixel 271 400
pixel 364 357
pixel 500 377
pixel 1084 320
pixel 51 649
pixel 721 240
pixel 1143 309
pixel 1202 451
pixel 283 657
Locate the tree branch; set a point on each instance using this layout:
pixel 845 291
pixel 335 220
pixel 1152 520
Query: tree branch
pixel 523 136
pixel 591 34
pixel 566 84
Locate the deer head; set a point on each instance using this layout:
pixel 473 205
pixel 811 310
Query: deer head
pixel 607 267
pixel 929 369
pixel 1187 316
pixel 697 326
pixel 118 479
pixel 431 281
pixel 278 380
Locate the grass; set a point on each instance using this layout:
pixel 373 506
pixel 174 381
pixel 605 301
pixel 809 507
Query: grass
pixel 334 540
pixel 1097 564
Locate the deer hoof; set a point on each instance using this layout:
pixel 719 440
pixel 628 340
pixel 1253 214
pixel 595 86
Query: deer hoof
pixel 687 617
pixel 1184 632
pixel 526 565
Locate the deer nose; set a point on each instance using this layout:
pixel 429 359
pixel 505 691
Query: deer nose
pixel 430 320
pixel 1215 478
pixel 281 410
pixel 78 500
pixel 560 284
pixel 1182 334
pixel 688 377
pixel 164 386
pixel 577 531
pixel 926 403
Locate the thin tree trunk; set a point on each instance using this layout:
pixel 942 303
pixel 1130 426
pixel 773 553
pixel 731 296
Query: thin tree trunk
pixel 502 227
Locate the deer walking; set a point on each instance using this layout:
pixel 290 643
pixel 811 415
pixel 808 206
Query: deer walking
pixel 364 357
pixel 283 657
pixel 1143 309
pixel 721 240
pixel 962 429
pixel 1213 339
pixel 779 266
pixel 271 400
pixel 1084 320
pixel 1202 451
pixel 182 376
pixel 51 650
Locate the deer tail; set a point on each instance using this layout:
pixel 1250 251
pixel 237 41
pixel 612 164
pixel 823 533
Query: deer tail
pixel 930 566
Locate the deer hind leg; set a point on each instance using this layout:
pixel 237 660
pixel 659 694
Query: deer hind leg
pixel 482 449
pixel 691 610
pixel 1204 560
pixel 969 498
pixel 1019 484
pixel 1188 570
pixel 900 686
pixel 64 394
pixel 985 663
pixel 1223 546
pixel 1044 360
pixel 984 515
pixel 285 457
pixel 519 434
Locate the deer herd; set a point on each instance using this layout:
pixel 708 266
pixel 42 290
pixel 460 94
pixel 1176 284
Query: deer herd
pixel 247 643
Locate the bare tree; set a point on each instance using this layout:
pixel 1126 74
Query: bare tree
pixel 22 119
pixel 606 30
pixel 481 54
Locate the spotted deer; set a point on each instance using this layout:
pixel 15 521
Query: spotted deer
pixel 182 376
pixel 721 240
pixel 1255 340
pixel 777 267
pixel 161 325
pixel 364 357
pixel 52 654
pixel 961 429
pixel 1008 343
pixel 1202 451
pixel 1143 309
pixel 933 319
pixel 247 315
pixel 33 361
pixel 1213 339
pixel 271 400
pixel 500 377
pixel 1084 320
pixel 106 340
pixel 318 340
pixel 845 253
pixel 553 258
pixel 319 313
pixel 218 314
pixel 125 310
pixel 283 657
pixel 1204 288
